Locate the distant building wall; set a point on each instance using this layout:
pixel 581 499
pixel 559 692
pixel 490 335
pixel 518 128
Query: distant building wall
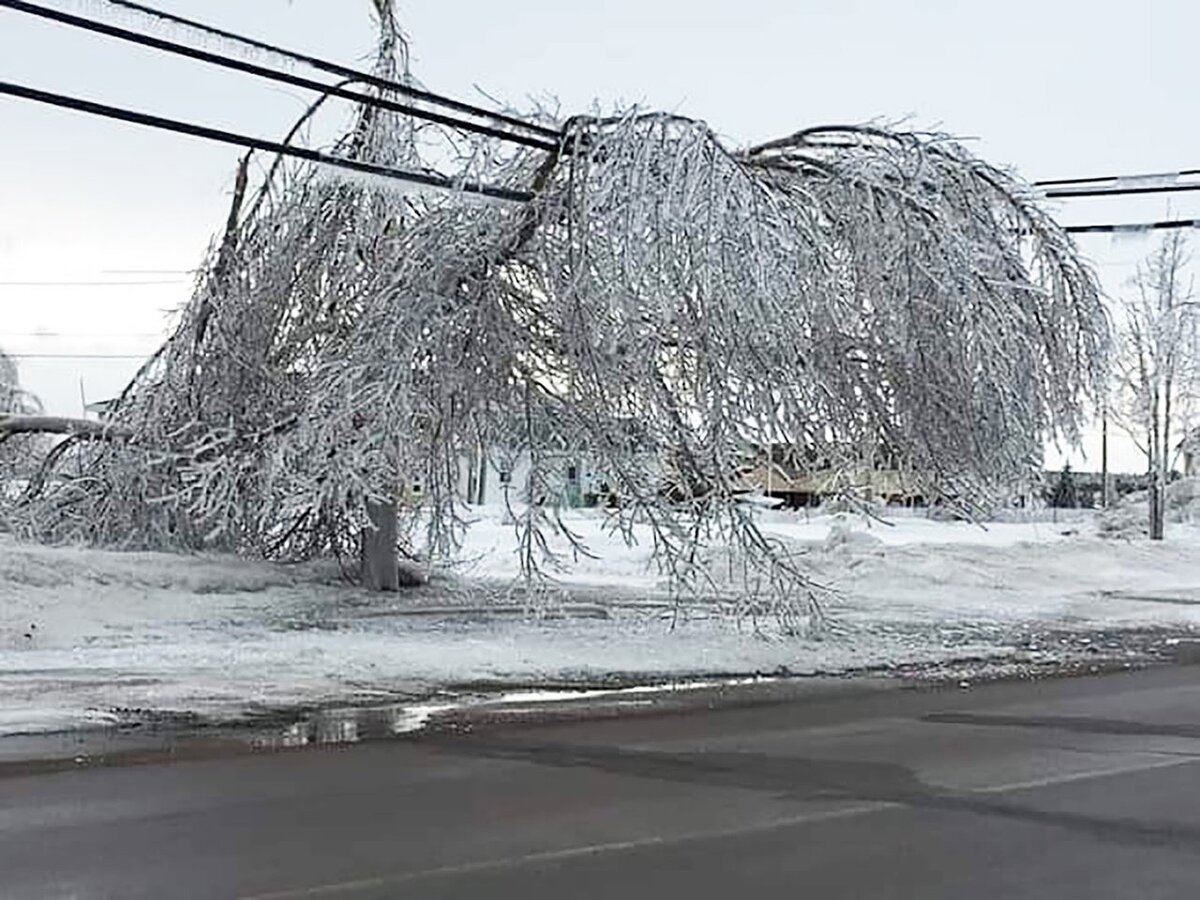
pixel 502 476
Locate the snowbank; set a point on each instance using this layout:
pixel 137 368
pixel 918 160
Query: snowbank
pixel 86 635
pixel 1129 518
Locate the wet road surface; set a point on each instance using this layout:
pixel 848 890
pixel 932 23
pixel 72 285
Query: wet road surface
pixel 1073 788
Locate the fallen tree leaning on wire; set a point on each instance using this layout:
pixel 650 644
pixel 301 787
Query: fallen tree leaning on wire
pixel 664 304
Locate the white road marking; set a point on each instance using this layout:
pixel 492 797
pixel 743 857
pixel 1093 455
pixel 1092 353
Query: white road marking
pixel 512 862
pixel 848 812
pixel 1052 780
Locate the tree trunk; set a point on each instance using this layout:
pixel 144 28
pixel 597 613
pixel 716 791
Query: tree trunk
pixel 1156 506
pixel 483 467
pixel 379 563
pixel 1105 498
pixel 1156 456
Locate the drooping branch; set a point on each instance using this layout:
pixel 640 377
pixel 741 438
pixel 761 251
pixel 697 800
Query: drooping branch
pixel 666 307
pixel 85 429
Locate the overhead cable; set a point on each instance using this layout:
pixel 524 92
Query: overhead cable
pixel 1118 180
pixel 125 356
pixel 258 71
pixel 1119 191
pixel 1133 228
pixel 91 283
pixel 341 71
pixel 241 140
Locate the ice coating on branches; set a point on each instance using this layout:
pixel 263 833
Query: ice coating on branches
pixel 665 305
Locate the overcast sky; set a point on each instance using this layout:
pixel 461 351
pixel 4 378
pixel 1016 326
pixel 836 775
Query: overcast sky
pixel 1055 89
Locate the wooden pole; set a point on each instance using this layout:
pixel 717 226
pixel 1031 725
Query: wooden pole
pixel 379 563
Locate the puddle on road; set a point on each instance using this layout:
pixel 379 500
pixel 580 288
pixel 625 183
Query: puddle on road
pixel 349 725
pixel 1066 654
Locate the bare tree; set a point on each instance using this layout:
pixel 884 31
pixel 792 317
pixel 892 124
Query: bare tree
pixel 17 451
pixel 14 399
pixel 663 304
pixel 1156 381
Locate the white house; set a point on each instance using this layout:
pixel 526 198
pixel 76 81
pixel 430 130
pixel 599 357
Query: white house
pixel 499 474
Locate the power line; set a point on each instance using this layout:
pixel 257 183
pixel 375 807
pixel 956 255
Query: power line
pixel 1116 191
pixel 81 334
pixel 341 71
pixel 90 283
pixel 240 140
pixel 126 356
pixel 439 181
pixel 1136 228
pixel 1116 179
pixel 148 271
pixel 299 81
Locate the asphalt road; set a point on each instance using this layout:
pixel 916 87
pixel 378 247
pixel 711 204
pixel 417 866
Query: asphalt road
pixel 1070 788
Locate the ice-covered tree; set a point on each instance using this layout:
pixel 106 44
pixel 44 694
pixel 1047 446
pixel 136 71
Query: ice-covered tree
pixel 14 399
pixel 1156 379
pixel 662 302
pixel 18 452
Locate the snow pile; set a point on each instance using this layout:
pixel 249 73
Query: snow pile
pixel 86 635
pixel 1183 500
pixel 1130 516
pixel 842 534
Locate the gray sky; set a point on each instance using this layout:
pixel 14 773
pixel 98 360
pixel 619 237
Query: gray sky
pixel 1055 89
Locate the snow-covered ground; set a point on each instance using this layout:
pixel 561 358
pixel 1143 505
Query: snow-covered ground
pixel 88 636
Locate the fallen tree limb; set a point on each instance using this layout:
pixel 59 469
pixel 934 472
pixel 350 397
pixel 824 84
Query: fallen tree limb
pixel 84 429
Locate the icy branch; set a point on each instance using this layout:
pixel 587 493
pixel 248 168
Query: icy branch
pixel 669 307
pixel 83 428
